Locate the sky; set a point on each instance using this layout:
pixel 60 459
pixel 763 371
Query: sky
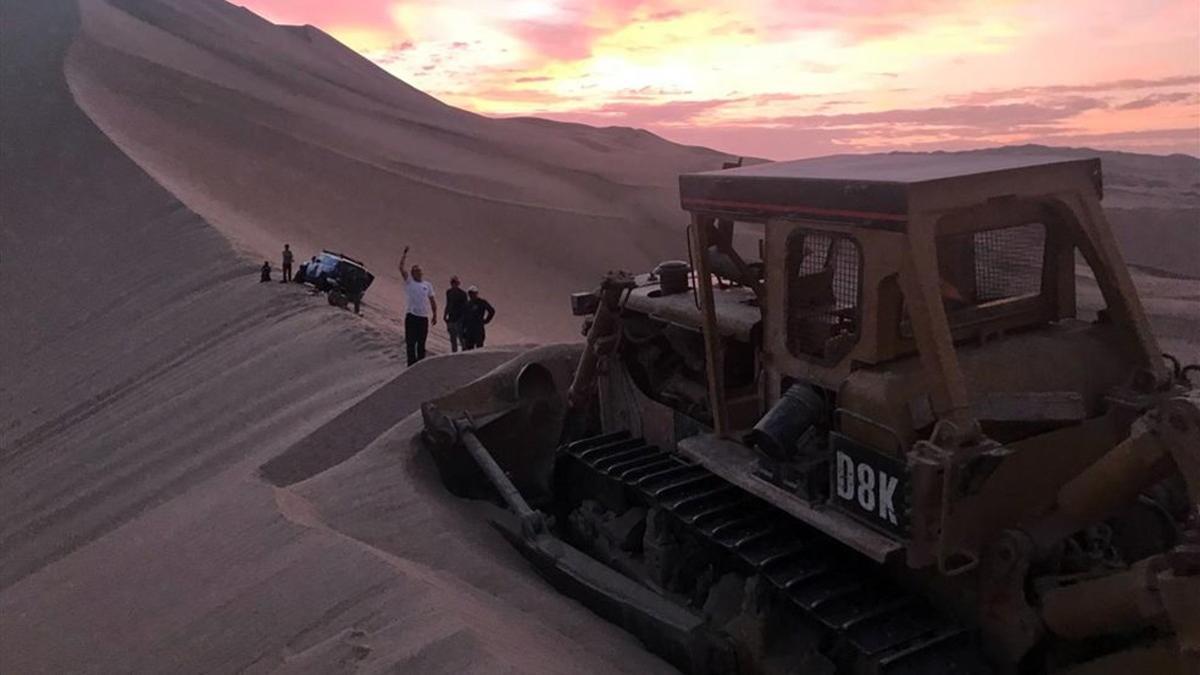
pixel 782 79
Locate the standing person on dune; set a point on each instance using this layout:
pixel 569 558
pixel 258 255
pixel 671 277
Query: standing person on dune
pixel 287 263
pixel 456 303
pixel 478 313
pixel 420 312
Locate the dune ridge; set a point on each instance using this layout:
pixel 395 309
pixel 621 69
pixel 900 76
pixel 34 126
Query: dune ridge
pixel 281 135
pixel 147 375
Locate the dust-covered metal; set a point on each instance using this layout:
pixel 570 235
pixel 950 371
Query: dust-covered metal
pixel 878 436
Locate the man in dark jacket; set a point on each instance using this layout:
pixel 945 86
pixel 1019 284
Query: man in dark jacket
pixel 287 263
pixel 456 304
pixel 477 314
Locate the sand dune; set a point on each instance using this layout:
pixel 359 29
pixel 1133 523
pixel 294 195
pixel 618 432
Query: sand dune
pixel 277 134
pixel 282 134
pixel 146 377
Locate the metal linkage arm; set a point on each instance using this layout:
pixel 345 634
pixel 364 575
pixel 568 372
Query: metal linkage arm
pixel 447 430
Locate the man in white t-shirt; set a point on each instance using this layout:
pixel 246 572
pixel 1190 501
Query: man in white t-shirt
pixel 421 310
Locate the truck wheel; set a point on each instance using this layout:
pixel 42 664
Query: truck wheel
pixel 337 299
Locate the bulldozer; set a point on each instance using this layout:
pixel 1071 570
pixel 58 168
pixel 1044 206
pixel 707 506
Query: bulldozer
pixel 864 428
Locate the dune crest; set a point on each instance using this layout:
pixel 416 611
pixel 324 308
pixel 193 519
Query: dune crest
pixel 280 134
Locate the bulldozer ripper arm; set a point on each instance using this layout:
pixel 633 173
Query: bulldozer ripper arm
pixel 601 338
pixel 1164 440
pixel 1162 590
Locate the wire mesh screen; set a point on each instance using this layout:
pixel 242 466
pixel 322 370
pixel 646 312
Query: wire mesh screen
pixel 1008 262
pixel 823 293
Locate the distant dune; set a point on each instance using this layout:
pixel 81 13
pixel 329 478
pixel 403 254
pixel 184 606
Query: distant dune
pixel 278 134
pixel 1152 202
pixel 153 153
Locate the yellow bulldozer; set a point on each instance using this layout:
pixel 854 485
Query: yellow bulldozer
pixel 864 428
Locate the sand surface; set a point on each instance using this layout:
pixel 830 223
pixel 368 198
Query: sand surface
pixel 278 134
pixel 153 152
pixel 146 377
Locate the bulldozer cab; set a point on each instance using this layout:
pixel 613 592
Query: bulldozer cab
pixel 874 260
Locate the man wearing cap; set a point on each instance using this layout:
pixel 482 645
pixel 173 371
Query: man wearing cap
pixel 421 310
pixel 477 314
pixel 456 304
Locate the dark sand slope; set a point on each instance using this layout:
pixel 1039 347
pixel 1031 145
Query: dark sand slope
pixel 145 377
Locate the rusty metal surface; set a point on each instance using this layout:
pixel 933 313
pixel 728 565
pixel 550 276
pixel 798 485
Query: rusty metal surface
pixel 1179 425
pixel 1115 479
pixel 736 315
pixel 1161 658
pixel 1030 406
pixel 701 229
pixel 1106 605
pixel 1026 483
pixel 875 191
pixel 1009 624
pixel 1181 599
pixel 601 337
pixel 857 618
pixel 1072 356
pixel 736 463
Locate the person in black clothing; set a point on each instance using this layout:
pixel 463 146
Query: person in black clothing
pixel 265 271
pixel 456 303
pixel 287 264
pixel 477 314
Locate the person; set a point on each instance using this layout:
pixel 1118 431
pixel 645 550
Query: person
pixel 477 314
pixel 266 272
pixel 287 264
pixel 456 302
pixel 303 270
pixel 421 310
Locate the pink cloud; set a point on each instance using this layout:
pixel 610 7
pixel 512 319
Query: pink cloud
pixel 1160 99
pixel 1001 116
pixel 667 14
pixel 366 13
pixel 794 142
pixel 1131 84
pixel 953 126
pixel 860 20
pixel 565 42
pixel 640 114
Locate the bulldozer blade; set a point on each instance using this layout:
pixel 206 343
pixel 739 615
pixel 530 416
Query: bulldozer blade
pixel 667 629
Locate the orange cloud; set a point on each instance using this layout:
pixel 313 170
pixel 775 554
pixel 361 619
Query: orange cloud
pixel 798 78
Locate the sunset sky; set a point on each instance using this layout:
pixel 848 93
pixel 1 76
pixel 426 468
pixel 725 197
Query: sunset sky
pixel 794 78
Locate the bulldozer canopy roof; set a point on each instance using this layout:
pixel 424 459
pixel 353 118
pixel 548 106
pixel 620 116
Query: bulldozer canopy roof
pixel 872 190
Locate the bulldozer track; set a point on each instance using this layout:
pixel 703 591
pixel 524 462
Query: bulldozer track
pixel 870 624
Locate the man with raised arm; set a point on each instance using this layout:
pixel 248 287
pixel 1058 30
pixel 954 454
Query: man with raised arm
pixel 421 309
